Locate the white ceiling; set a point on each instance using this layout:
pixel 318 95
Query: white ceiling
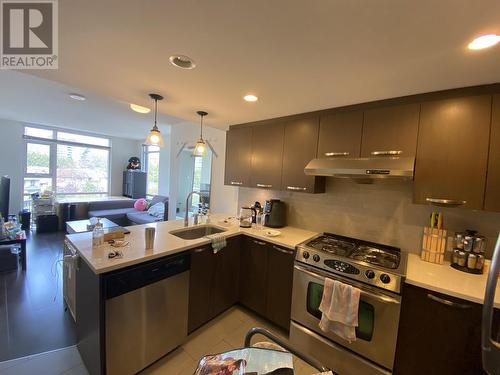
pixel 297 56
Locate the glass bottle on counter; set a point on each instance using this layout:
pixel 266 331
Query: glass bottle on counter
pixel 98 234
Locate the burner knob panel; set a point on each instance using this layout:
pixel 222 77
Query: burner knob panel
pixel 370 274
pixel 385 278
pixel 316 257
pixel 305 254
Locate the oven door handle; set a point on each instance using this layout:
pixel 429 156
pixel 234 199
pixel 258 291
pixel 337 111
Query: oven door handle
pixel 378 296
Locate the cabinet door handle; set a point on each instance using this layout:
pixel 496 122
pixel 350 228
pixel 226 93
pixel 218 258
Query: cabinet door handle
pixel 445 202
pixel 238 183
pixel 337 153
pixel 386 153
pixel 284 251
pixel 446 302
pixel 200 250
pixel 261 243
pixel 296 188
pixel 264 186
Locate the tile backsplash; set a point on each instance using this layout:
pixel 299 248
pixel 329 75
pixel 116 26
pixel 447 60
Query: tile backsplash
pixel 381 212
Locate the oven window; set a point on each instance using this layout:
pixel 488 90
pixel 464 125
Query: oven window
pixel 366 312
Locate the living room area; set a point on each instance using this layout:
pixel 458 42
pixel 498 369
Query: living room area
pixel 62 170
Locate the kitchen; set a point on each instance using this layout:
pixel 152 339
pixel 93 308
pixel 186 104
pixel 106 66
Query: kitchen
pixel 319 162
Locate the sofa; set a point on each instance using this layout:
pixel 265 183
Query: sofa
pixel 122 212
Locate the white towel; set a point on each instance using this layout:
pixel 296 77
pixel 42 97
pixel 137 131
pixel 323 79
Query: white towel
pixel 339 305
pixel 218 242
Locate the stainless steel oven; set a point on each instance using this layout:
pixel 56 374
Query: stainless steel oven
pixel 374 349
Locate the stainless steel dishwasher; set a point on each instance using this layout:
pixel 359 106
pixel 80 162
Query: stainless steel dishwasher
pixel 146 313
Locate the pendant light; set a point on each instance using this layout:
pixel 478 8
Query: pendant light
pixel 154 137
pixel 200 149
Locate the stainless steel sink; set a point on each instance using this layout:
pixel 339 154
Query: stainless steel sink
pixel 196 232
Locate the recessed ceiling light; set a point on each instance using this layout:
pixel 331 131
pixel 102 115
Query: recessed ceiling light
pixel 182 61
pixel 77 97
pixel 484 41
pixel 139 108
pixel 250 98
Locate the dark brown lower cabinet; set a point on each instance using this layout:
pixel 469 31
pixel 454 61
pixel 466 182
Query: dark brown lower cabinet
pixel 225 285
pixel 253 276
pixel 266 280
pixel 279 285
pixel 438 335
pixel 213 282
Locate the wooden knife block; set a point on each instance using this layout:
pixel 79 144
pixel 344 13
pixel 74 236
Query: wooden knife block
pixel 433 245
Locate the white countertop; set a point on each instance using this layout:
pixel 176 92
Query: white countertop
pixel 442 278
pixel 168 244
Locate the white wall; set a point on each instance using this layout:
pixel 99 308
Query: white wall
pixel 12 159
pixel 223 199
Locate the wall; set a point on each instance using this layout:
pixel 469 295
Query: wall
pixel 12 159
pixel 223 199
pixel 382 212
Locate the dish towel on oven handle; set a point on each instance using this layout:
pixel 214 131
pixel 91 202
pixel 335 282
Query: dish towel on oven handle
pixel 339 307
pixel 218 242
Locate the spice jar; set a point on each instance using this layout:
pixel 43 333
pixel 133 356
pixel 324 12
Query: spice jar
pixel 471 261
pixel 455 256
pixel 461 258
pixel 479 262
pixel 459 240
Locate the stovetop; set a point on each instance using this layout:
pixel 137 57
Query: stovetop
pixel 376 264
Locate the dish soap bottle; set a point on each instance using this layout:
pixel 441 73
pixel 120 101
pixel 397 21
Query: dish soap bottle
pixel 97 234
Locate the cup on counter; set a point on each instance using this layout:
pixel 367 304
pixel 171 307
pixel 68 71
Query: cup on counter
pixel 149 235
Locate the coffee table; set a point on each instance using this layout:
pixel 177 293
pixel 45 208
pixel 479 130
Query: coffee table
pixel 80 226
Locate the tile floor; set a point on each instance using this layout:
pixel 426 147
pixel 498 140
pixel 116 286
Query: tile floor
pixel 224 333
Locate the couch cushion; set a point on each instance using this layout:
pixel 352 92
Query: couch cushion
pixel 111 214
pixel 143 217
pixel 158 199
pixel 111 204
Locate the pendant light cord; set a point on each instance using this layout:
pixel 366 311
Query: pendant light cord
pixel 201 128
pixel 156 110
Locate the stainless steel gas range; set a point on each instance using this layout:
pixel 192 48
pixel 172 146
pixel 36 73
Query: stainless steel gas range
pixel 378 271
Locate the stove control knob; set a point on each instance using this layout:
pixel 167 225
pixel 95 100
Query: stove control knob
pixel 370 274
pixel 385 278
pixel 316 257
pixel 305 254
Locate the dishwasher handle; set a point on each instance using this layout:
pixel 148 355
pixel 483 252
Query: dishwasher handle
pixel 135 277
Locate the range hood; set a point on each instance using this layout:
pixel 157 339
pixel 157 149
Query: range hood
pixel 362 168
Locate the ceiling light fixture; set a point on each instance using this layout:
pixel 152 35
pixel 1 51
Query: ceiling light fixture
pixel 250 98
pixel 181 61
pixel 154 137
pixel 484 41
pixel 77 97
pixel 200 149
pixel 139 108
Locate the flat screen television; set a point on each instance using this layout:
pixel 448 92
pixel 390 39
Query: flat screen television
pixel 4 196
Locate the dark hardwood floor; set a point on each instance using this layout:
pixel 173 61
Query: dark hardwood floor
pixel 32 316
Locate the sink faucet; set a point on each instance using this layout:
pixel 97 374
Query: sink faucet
pixel 186 219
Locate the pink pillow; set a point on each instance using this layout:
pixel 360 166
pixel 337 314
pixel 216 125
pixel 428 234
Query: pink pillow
pixel 140 204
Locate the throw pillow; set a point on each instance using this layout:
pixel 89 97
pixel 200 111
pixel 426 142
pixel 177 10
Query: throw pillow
pixel 157 210
pixel 140 204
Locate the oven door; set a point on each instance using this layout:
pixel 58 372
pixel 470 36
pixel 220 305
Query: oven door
pixel 377 330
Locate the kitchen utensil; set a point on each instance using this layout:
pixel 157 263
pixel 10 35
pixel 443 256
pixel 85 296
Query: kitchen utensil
pixel 246 214
pixel 433 243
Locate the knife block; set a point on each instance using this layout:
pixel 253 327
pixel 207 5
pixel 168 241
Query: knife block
pixel 433 245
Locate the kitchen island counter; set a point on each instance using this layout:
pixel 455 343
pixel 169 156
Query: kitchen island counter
pixel 166 244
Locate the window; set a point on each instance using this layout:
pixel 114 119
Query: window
pixel 65 163
pixel 152 167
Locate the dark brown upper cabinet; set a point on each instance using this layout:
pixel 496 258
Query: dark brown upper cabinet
pixel 267 156
pixel 492 196
pixel 390 131
pixel 238 156
pixel 340 134
pixel 452 153
pixel 300 145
